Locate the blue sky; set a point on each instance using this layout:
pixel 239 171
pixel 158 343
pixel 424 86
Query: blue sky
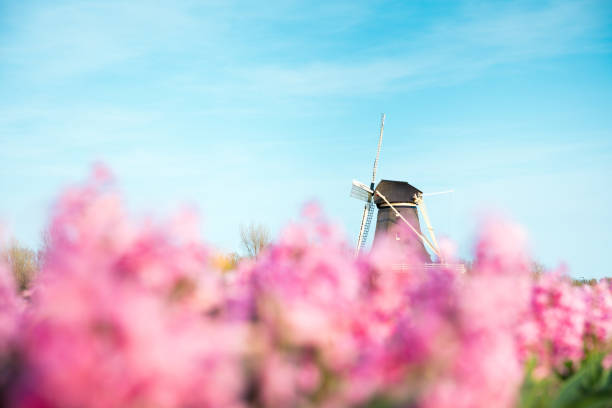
pixel 248 109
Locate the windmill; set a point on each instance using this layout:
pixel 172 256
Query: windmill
pixel 397 201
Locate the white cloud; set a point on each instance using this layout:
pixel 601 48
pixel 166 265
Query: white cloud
pixel 73 37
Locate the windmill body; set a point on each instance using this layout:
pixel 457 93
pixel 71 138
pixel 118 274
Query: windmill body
pixel 402 197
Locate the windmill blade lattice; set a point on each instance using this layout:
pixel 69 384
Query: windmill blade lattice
pixel 368 222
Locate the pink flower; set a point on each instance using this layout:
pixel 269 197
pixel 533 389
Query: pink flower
pixel 115 320
pixel 132 313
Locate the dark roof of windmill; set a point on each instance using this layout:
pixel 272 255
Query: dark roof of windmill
pixel 396 192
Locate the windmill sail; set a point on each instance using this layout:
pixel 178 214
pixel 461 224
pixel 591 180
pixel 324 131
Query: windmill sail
pixel 382 128
pixel 361 191
pixel 368 222
pixel 421 204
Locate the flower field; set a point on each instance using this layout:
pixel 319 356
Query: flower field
pixel 127 312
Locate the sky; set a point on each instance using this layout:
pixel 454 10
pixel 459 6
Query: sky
pixel 248 110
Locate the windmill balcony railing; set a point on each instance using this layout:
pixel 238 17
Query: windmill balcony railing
pixel 404 267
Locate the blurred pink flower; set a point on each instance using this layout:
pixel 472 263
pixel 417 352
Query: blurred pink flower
pixel 132 313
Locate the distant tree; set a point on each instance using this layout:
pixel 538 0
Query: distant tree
pixel 468 265
pixel 226 261
pixel 537 269
pixel 23 263
pixel 44 247
pixel 234 260
pixel 584 282
pixel 254 238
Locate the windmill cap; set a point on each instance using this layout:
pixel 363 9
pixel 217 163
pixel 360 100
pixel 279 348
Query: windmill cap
pixel 396 192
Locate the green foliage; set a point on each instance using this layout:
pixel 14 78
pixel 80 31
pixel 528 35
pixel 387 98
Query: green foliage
pixel 589 387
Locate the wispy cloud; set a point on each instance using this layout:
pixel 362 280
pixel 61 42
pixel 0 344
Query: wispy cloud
pixel 447 52
pixel 70 38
